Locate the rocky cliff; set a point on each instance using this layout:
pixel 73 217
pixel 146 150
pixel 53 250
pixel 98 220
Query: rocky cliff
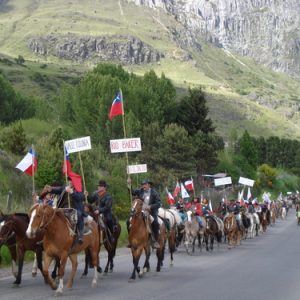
pixel 267 30
pixel 124 49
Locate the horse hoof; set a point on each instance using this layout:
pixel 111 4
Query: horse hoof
pixel 94 284
pixel 58 293
pixel 33 274
pixel 131 280
pixel 83 276
pixel 99 269
pixel 141 275
pixel 16 285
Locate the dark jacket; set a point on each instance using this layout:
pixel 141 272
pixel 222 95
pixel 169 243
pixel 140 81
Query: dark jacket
pixel 77 197
pixel 103 203
pixel 154 201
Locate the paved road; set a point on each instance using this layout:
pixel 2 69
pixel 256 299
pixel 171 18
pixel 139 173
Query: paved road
pixel 266 267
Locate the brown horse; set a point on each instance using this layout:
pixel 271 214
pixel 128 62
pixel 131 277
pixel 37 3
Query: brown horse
pixel 109 245
pixel 59 241
pixel 231 230
pixel 273 216
pixel 263 220
pixel 16 225
pixel 139 238
pixel 212 232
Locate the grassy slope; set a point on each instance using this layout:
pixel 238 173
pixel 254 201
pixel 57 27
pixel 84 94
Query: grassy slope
pixel 227 79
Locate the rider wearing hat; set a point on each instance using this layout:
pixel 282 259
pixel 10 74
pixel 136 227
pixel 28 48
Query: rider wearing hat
pixel 103 202
pixel 152 203
pixel 77 201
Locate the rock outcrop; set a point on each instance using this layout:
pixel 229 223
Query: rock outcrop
pixel 123 49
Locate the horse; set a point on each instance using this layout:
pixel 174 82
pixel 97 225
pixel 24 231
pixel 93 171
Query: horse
pixel 16 225
pixel 139 238
pixel 232 231
pixel 264 221
pixel 59 242
pixel 251 230
pixel 103 238
pixel 191 229
pixel 172 220
pixel 273 216
pixel 212 231
pixel 10 243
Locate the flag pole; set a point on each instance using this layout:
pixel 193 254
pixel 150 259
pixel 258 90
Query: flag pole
pixel 33 166
pixel 193 187
pixel 124 131
pixel 82 174
pixel 66 171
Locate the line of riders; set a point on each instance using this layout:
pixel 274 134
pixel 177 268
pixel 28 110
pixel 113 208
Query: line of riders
pixel 101 202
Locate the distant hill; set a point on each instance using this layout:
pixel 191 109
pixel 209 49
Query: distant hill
pixel 70 37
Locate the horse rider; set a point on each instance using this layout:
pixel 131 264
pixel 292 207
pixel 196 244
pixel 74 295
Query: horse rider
pixel 180 206
pixel 251 209
pixel 234 207
pixel 77 200
pixel 197 208
pixel 103 205
pixel 152 203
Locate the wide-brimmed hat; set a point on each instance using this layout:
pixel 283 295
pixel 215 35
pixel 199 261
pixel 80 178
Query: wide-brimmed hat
pixel 102 183
pixel 145 181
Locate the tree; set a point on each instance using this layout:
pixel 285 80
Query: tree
pixel 192 113
pixel 247 149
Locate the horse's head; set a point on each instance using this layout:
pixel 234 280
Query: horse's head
pixel 6 229
pixel 39 218
pixel 136 207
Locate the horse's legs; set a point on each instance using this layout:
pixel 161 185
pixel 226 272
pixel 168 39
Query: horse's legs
pixel 206 241
pixel 39 260
pixel 135 259
pixel 56 266
pixel 47 261
pixel 94 250
pixel 73 259
pixel 61 273
pixel 146 267
pixel 87 260
pixel 21 253
pixel 13 253
pixel 212 242
pixel 34 267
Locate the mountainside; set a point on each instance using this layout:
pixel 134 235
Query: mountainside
pixel 267 30
pixel 212 44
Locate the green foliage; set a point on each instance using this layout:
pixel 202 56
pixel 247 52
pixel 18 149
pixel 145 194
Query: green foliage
pixel 266 176
pixel 192 113
pixel 13 139
pixel 247 149
pixel 20 60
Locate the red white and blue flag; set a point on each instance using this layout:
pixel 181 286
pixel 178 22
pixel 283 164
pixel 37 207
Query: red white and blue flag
pixel 116 107
pixel 170 199
pixel 177 189
pixel 29 163
pixel 189 184
pixel 67 169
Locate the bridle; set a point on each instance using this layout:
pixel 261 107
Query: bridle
pixel 43 226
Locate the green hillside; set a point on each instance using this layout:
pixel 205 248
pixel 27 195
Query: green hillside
pixel 242 95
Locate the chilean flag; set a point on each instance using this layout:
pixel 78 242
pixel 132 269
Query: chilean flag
pixel 177 189
pixel 116 107
pixel 29 163
pixel 189 184
pixel 170 199
pixel 67 169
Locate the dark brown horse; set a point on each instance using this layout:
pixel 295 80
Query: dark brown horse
pixel 59 241
pixel 16 224
pixel 10 243
pixel 212 232
pixel 263 220
pixel 109 245
pixel 139 238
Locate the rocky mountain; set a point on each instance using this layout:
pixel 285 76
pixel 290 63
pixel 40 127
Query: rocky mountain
pixel 228 47
pixel 267 30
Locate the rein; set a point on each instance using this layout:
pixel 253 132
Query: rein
pixel 47 224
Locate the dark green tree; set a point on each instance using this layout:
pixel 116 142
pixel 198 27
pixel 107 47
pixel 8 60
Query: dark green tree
pixel 247 149
pixel 192 113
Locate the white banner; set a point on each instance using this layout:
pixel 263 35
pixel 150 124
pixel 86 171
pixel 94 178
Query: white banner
pixel 222 181
pixel 79 144
pixel 125 145
pixel 134 169
pixel 246 181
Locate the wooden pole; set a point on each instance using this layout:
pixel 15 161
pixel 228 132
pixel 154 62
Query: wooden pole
pixel 124 132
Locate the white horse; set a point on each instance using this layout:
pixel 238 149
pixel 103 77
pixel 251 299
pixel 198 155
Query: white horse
pixel 251 229
pixel 256 223
pixel 191 230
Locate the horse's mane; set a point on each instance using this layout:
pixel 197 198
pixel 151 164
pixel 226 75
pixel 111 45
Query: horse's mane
pixel 23 215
